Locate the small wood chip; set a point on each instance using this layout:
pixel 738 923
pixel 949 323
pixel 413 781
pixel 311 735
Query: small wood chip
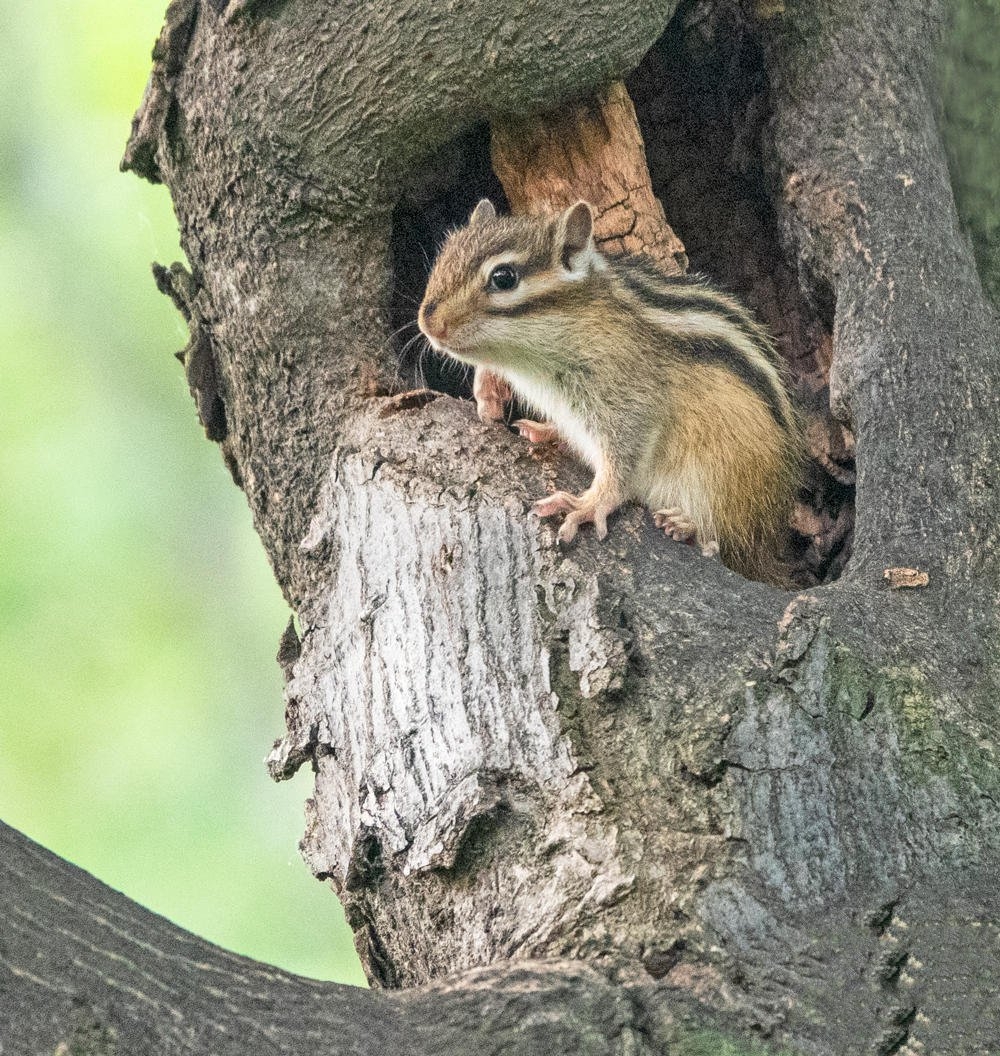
pixel 905 577
pixel 766 9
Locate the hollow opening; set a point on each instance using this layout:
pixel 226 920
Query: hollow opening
pixel 701 97
pixel 440 197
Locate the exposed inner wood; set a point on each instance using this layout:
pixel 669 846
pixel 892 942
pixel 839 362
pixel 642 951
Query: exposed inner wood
pixel 594 150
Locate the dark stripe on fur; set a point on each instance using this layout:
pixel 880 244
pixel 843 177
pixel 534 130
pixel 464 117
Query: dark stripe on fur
pixel 670 293
pixel 718 350
pixel 707 349
pixel 552 299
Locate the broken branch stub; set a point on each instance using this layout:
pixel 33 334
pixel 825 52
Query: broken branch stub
pixel 590 149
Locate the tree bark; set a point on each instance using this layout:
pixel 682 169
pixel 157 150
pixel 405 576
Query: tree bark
pixel 779 811
pixel 86 972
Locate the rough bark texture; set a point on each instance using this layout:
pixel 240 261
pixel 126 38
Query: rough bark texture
pixel 86 972
pixel 784 806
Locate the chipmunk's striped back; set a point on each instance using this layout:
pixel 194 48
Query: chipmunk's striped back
pixel 711 326
pixel 667 386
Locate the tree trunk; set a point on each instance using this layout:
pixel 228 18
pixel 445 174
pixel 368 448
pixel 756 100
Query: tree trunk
pixel 769 814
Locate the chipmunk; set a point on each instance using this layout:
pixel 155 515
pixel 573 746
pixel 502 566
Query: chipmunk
pixel 665 386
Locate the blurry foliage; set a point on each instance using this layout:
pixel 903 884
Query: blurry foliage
pixel 970 90
pixel 137 612
pixel 138 616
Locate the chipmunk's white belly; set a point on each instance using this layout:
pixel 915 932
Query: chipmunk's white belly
pixel 551 406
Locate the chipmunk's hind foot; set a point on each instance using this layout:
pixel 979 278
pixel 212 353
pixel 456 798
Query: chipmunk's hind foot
pixel 677 525
pixel 536 432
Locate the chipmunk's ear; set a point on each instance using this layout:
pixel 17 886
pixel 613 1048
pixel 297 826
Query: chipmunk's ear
pixel 484 211
pixel 575 238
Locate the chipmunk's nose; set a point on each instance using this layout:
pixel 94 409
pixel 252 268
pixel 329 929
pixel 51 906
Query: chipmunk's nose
pixel 433 327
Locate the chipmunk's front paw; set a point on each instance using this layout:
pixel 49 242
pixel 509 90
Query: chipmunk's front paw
pixel 491 394
pixel 677 525
pixel 580 509
pixel 536 432
pixel 490 410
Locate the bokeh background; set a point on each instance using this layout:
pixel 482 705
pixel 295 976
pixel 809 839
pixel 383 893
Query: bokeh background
pixel 138 617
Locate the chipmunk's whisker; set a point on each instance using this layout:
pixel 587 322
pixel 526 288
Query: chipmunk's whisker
pixel 421 375
pixel 404 358
pixel 409 298
pixel 391 337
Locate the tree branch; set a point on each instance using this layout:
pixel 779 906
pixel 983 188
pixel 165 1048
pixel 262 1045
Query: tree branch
pixel 84 971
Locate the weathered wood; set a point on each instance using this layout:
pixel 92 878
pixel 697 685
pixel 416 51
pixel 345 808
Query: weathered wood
pixel 589 149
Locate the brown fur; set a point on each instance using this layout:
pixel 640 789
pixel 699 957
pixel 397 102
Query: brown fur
pixel 660 415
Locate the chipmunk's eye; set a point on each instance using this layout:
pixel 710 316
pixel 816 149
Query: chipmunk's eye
pixel 504 277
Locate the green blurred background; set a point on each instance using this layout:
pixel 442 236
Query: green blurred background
pixel 138 617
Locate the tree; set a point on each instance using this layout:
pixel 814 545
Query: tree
pixel 639 803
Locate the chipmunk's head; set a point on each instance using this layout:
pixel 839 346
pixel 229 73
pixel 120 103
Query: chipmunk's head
pixel 501 284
